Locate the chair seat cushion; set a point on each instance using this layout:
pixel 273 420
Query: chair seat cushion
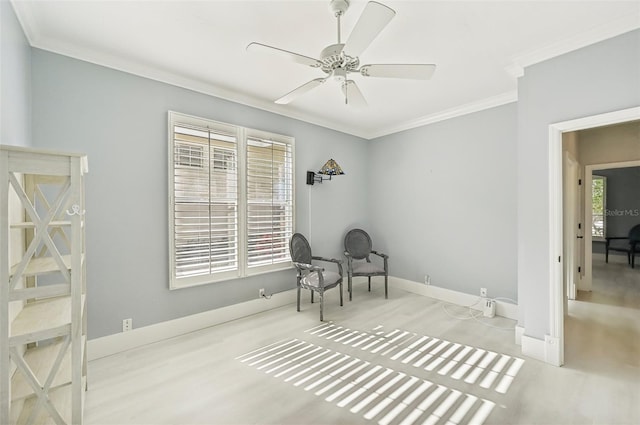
pixel 366 268
pixel 330 279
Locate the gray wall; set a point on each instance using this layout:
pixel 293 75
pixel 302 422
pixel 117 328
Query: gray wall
pixel 623 202
pixel 120 121
pixel 443 202
pixel 15 80
pixel 596 79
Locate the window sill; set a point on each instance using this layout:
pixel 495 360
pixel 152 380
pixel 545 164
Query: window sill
pixel 225 277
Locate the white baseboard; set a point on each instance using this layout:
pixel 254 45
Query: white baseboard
pixel 519 334
pixel 116 343
pixel 547 350
pixel 510 311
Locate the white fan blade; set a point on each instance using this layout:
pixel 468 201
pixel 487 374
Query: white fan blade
pixel 295 57
pixel 353 95
pixel 374 18
pixel 293 94
pixel 410 71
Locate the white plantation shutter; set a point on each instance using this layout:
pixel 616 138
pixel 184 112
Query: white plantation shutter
pixel 205 207
pixel 231 201
pixel 269 201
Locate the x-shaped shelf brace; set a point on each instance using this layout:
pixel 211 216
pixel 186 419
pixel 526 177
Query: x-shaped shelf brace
pixel 40 390
pixel 42 235
pixel 39 195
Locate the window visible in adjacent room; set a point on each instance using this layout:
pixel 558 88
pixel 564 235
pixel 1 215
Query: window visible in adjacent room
pixel 231 201
pixel 598 205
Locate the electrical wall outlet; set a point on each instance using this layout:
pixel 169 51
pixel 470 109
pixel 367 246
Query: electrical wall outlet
pixel 261 292
pixel 127 325
pixel 427 279
pixel 483 292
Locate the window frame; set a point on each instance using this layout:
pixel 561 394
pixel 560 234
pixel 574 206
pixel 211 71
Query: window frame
pixel 604 208
pixel 242 134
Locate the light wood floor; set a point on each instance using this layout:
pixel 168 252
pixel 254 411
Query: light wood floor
pixel 402 361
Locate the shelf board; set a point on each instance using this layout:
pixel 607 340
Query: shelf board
pixel 43 319
pixel 44 291
pixel 30 225
pixel 43 265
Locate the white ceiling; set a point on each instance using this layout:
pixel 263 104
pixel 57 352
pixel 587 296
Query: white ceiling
pixel 480 48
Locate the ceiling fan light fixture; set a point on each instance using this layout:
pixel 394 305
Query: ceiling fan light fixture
pixel 340 74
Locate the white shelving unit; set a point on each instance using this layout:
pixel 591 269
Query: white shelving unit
pixel 43 321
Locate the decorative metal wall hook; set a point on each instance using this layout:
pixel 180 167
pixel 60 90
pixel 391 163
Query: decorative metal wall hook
pixel 75 210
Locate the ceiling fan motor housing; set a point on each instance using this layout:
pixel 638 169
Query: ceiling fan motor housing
pixel 332 57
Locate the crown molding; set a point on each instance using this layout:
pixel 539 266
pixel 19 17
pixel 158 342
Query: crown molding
pixel 468 108
pixel 516 70
pixel 600 33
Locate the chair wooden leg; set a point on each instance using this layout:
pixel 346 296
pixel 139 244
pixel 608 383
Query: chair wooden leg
pixel 386 284
pixel 340 294
pixel 321 305
pixel 311 297
pixel 349 288
pixel 369 279
pixel 606 256
pixel 298 298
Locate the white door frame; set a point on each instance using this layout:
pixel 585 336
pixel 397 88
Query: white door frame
pixel 571 206
pixel 556 292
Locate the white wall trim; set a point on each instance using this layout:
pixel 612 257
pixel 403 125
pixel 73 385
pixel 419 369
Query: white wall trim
pixel 508 310
pixel 548 351
pixel 519 334
pixel 533 347
pixel 457 111
pixel 116 343
pixel 578 41
pixel 556 301
pixel 119 342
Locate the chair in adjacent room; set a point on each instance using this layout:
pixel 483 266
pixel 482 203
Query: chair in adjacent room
pixel 629 244
pixel 358 249
pixel 310 276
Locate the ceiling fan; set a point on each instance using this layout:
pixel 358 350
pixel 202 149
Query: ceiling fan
pixel 340 59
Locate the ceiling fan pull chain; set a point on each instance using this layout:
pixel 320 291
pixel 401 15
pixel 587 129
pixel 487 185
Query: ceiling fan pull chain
pixel 346 93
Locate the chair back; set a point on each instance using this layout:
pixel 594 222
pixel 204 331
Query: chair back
pixel 358 243
pixel 634 234
pixel 300 249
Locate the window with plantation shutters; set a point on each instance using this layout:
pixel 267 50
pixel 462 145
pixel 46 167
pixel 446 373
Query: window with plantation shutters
pixel 230 201
pixel 269 201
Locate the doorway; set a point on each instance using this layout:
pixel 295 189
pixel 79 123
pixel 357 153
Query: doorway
pixel 556 212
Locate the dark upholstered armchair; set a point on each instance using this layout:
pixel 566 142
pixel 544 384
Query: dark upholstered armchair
pixel 357 249
pixel 629 244
pixel 312 277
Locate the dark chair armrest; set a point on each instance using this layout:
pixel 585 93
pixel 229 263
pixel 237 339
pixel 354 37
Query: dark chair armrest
pixel 616 237
pixel 380 254
pixel 304 266
pixel 331 260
